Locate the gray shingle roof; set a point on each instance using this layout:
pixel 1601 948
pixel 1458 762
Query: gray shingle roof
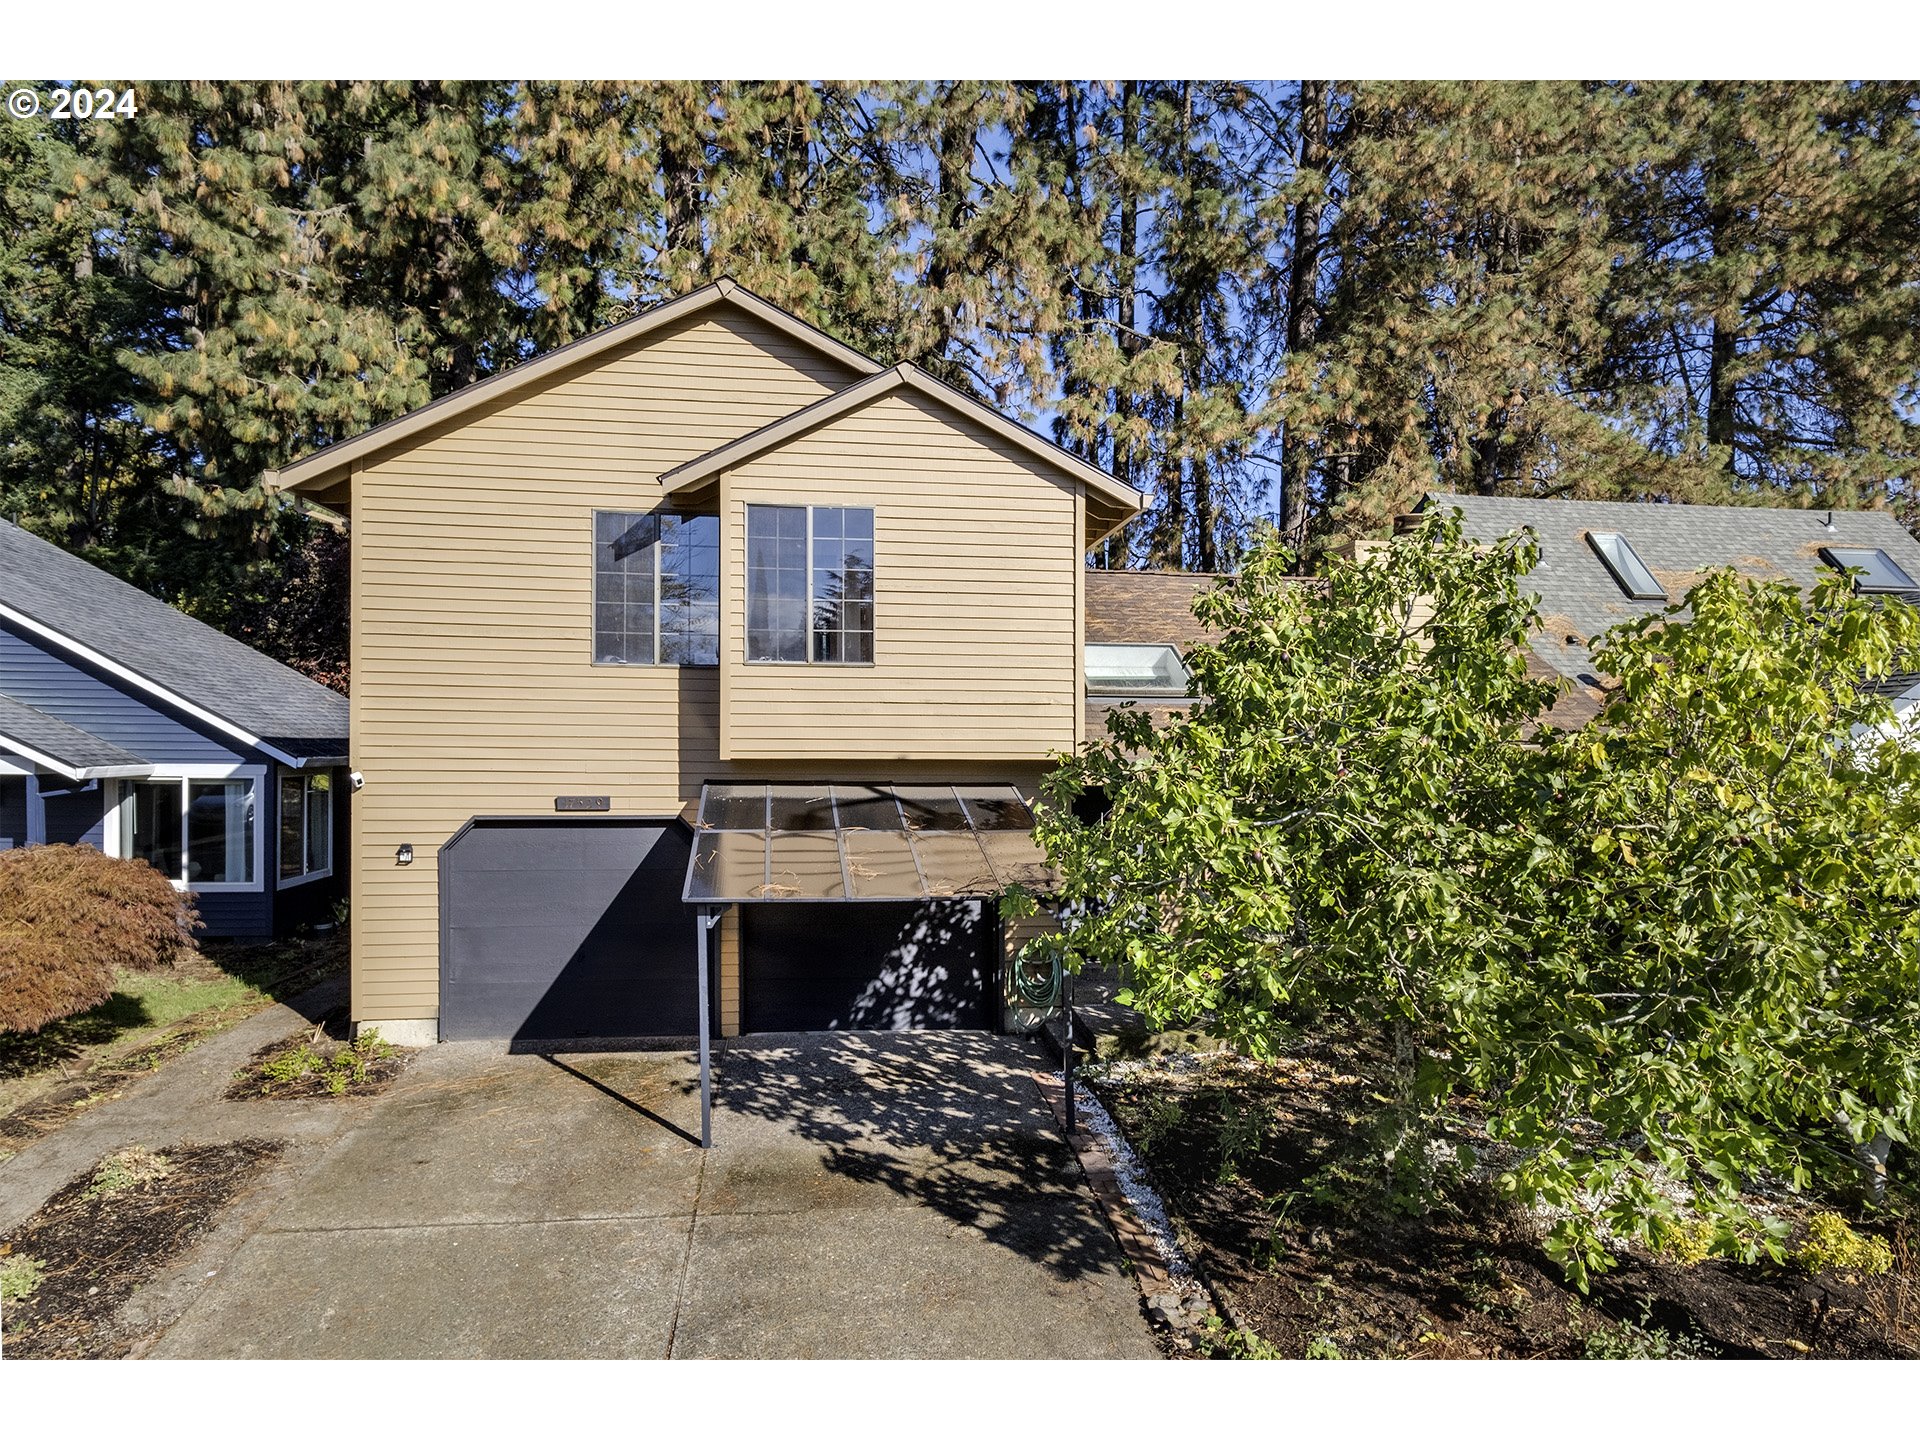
pixel 171 649
pixel 1579 599
pixel 79 752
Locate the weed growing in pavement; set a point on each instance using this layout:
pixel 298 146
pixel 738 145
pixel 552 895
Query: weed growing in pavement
pixel 132 1168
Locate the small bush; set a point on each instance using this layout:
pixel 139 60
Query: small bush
pixel 1833 1244
pixel 1689 1242
pixel 348 1065
pixel 20 1276
pixel 70 918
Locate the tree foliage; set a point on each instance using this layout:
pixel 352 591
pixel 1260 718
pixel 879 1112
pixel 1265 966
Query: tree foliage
pixel 1296 301
pixel 1682 942
pixel 70 918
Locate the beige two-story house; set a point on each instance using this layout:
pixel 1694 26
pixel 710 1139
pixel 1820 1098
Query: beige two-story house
pixel 706 625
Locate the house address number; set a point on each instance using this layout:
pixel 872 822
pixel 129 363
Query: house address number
pixel 583 802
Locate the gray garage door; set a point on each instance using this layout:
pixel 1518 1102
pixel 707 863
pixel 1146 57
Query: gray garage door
pixel 555 931
pixel 927 965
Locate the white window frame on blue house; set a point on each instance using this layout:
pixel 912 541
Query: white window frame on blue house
pixel 121 796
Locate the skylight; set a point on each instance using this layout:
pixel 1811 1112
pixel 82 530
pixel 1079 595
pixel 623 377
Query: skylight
pixel 1628 570
pixel 1135 670
pixel 1878 574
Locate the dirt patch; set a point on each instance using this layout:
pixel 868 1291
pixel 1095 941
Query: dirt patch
pixel 319 1064
pixel 105 1234
pixel 1266 1176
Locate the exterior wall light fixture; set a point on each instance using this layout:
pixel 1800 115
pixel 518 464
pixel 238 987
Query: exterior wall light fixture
pixel 404 855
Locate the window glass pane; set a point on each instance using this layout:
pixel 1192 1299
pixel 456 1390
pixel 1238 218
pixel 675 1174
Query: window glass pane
pixel 219 832
pixel 776 582
pixel 155 836
pixel 293 826
pixel 842 585
pixel 690 590
pixel 626 554
pixel 319 825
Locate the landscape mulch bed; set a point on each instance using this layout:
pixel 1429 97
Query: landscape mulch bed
pixel 97 1249
pixel 1320 1262
pixel 326 1041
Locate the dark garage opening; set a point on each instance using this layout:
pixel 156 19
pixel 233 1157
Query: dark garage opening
pixel 926 965
pixel 559 930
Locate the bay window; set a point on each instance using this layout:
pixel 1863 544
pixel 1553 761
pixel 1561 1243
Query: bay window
pixel 810 584
pixel 306 826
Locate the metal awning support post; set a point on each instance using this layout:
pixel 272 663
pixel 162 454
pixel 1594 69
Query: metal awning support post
pixel 1066 1048
pixel 708 917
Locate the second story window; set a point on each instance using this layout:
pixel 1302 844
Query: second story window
pixel 810 584
pixel 656 589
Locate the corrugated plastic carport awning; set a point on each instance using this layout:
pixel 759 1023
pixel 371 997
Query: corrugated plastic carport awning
pixel 757 843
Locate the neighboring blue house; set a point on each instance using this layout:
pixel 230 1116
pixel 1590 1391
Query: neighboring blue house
pixel 127 725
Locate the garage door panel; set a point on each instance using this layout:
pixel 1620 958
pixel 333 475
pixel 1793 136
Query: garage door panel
pixel 923 966
pixel 563 931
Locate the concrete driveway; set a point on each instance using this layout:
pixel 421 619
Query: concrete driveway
pixel 867 1196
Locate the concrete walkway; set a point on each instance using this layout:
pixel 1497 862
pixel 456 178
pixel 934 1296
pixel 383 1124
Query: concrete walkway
pixel 181 1104
pixel 897 1196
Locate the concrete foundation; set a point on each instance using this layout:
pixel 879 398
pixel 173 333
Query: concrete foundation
pixel 407 1034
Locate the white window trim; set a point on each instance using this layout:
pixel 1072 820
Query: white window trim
pixel 747 585
pixel 184 773
pixel 306 777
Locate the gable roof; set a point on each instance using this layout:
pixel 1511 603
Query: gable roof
pixel 102 621
pixel 1580 600
pixel 53 744
pixel 310 471
pixel 1123 500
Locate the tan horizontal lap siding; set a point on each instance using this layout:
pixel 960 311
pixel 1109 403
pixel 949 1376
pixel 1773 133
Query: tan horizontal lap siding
pixel 976 553
pixel 473 687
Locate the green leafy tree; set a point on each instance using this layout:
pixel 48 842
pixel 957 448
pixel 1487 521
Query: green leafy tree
pixel 1682 942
